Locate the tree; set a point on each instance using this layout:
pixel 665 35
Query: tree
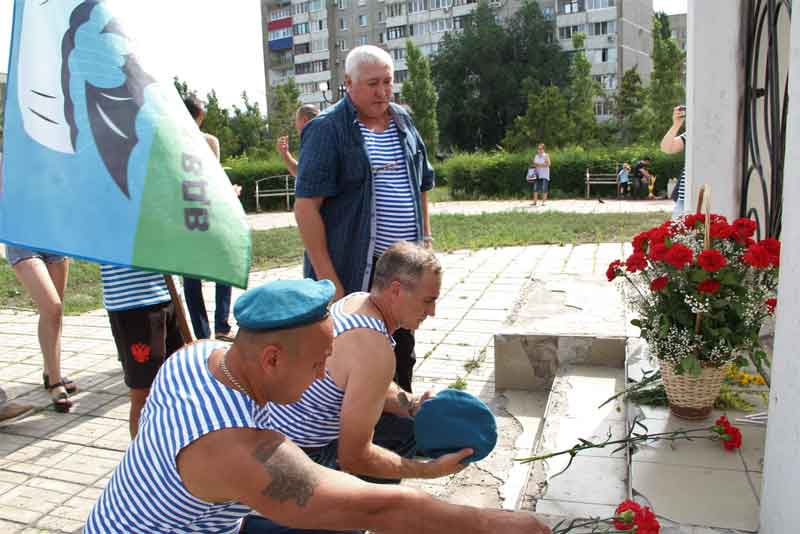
pixel 546 121
pixel 420 94
pixel 283 105
pixel 583 90
pixel 480 73
pixel 182 87
pixel 249 125
pixel 629 104
pixel 666 80
pixel 217 122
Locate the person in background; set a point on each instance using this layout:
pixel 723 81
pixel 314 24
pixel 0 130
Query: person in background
pixel 641 177
pixel 301 117
pixel 624 179
pixel 672 143
pixel 362 185
pixel 193 287
pixel 542 184
pixel 44 277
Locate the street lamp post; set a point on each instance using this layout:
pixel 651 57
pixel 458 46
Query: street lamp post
pixel 324 88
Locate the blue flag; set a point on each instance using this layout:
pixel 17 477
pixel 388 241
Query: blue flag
pixel 102 161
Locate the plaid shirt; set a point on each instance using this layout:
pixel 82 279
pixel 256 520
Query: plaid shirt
pixel 334 164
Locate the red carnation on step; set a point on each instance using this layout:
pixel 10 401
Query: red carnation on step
pixel 771 303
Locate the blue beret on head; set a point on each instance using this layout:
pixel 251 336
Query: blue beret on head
pixel 455 420
pixel 284 304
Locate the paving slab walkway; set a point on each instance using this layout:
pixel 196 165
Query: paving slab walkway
pixel 279 219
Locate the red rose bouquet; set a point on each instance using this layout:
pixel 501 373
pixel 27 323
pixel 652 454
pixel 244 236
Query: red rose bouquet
pixel 702 288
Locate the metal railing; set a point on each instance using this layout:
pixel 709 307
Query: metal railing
pixel 281 185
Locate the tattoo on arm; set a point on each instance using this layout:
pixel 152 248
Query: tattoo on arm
pixel 290 479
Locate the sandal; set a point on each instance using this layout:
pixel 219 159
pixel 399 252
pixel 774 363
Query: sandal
pixel 61 401
pixel 68 384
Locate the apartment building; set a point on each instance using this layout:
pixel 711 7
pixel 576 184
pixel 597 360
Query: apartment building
pixel 677 25
pixel 299 35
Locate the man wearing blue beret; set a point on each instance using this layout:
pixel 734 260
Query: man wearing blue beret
pixel 205 454
pixel 356 418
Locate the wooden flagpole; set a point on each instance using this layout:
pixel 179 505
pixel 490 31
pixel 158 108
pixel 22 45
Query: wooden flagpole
pixel 177 301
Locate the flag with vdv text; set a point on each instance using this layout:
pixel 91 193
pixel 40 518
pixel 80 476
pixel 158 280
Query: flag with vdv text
pixel 103 162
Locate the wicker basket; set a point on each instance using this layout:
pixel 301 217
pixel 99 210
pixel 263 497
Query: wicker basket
pixel 692 397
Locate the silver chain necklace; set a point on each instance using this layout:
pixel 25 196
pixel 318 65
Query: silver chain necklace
pixel 229 376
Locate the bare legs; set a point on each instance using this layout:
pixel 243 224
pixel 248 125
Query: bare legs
pixel 45 283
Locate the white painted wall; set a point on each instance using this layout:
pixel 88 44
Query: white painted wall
pixel 781 493
pixel 714 100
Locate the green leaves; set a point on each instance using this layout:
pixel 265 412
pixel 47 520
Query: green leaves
pixel 690 365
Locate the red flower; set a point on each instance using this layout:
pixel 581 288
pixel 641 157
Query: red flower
pixel 711 260
pixel 657 235
pixel 636 262
pixel 771 303
pixel 720 230
pixel 730 436
pixel 679 256
pixel 659 283
pixel 630 514
pixel 611 272
pixel 692 219
pixel 709 286
pixel 658 251
pixel 743 228
pixel 646 522
pixel 625 514
pixel 639 241
pixel 757 256
pixel 773 246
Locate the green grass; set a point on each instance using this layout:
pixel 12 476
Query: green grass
pixel 83 288
pixel 453 232
pixel 282 246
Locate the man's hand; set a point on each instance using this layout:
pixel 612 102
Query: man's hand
pixel 417 401
pixel 282 145
pixel 448 464
pixel 678 116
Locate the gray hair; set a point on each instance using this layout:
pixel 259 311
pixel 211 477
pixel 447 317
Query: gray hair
pixel 405 262
pixel 364 55
pixel 307 111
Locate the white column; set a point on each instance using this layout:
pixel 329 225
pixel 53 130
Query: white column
pixel 781 493
pixel 714 97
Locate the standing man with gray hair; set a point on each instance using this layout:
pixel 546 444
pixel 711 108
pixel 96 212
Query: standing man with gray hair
pixel 362 185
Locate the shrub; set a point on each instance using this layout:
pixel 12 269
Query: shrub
pixel 245 171
pixel 502 174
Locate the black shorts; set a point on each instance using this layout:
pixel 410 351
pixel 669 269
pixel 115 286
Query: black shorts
pixel 145 337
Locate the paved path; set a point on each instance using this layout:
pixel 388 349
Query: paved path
pixel 53 466
pixel 279 219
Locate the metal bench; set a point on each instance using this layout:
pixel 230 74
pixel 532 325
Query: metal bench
pixel 281 185
pixel 601 178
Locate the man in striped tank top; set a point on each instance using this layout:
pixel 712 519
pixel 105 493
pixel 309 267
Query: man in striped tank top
pixel 145 328
pixel 205 454
pixel 362 185
pixel 355 418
